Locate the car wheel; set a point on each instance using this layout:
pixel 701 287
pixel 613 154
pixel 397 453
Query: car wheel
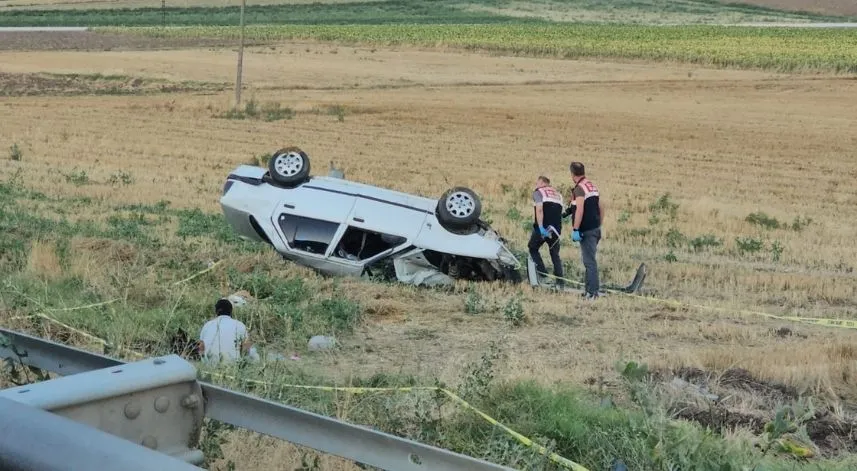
pixel 289 166
pixel 459 208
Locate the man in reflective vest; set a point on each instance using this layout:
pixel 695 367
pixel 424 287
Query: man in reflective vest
pixel 547 227
pixel 588 212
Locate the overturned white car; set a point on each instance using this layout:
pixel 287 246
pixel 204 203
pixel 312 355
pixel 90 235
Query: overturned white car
pixel 340 227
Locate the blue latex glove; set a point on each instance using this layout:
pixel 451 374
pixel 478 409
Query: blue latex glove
pixel 575 236
pixel 544 232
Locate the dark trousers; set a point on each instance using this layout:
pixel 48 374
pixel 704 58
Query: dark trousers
pixel 536 241
pixel 588 247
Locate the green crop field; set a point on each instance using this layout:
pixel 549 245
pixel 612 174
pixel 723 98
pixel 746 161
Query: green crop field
pixel 212 12
pixel 781 49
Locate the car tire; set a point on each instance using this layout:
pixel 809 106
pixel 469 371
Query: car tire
pixel 289 166
pixel 459 209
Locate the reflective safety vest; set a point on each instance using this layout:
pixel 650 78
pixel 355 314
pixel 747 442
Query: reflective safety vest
pixel 551 206
pixel 591 211
pixel 550 195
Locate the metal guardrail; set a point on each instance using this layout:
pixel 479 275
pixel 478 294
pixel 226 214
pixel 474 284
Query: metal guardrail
pixel 156 403
pixel 32 439
pixel 297 426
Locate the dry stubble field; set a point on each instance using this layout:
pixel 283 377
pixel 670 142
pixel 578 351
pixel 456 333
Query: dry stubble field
pixel 722 143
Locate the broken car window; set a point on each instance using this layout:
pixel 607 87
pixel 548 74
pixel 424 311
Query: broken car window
pixel 306 234
pixel 359 244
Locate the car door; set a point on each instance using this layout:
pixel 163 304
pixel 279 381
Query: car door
pixel 375 229
pixel 310 221
pixel 391 214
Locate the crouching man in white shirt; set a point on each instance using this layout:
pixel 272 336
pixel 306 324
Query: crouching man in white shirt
pixel 224 338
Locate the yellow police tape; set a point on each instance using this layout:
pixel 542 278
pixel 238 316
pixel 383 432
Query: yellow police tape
pixel 213 265
pixel 77 308
pixel 841 323
pixel 104 303
pixel 82 333
pixel 565 462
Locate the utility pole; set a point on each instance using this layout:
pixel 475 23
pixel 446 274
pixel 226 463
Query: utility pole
pixel 240 59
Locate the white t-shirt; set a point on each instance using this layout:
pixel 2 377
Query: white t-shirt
pixel 223 337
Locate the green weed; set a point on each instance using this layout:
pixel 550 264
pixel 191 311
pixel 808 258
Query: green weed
pixel 15 152
pixel 513 311
pixel 77 177
pixel 761 219
pixel 123 178
pixel 275 112
pixel 161 207
pixel 639 232
pixel 339 314
pixel 800 223
pixel 787 433
pixel 776 250
pixel 211 440
pixel 708 240
pixel 749 244
pixel 473 302
pixel 339 111
pixel 271 111
pixel 478 377
pixel 513 214
pixel 134 227
pixel 664 205
pixel 675 238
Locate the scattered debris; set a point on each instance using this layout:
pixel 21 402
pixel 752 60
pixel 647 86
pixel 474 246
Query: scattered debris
pixel 618 465
pixel 784 332
pixel 700 391
pixel 321 342
pixel 240 298
pixel 274 356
